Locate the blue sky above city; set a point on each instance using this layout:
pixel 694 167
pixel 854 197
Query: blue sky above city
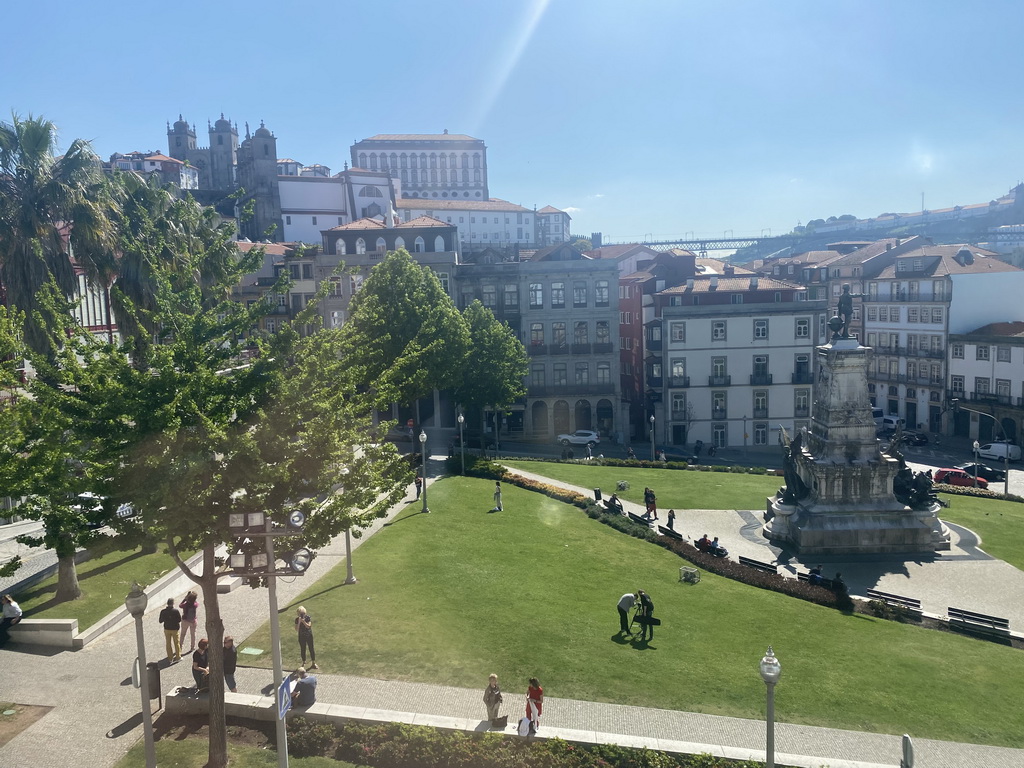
pixel 651 119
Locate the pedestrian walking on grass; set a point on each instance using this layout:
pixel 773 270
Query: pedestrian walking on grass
pixel 419 486
pixel 492 698
pixel 304 626
pixel 170 617
pixel 189 619
pixel 497 497
pixel 230 663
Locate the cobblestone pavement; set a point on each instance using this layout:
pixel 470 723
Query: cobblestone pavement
pixel 95 716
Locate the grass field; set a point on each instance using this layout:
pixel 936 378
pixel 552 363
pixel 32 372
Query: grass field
pixel 531 591
pixel 1000 524
pixel 105 580
pixel 192 753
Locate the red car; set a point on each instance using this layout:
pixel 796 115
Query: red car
pixel 958 477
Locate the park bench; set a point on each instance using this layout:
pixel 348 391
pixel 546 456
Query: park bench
pixel 758 565
pixel 978 622
pixel 822 581
pixel 637 519
pixel 613 509
pixel 909 604
pixel 670 533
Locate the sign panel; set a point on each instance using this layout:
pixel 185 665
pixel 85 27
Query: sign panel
pixel 284 698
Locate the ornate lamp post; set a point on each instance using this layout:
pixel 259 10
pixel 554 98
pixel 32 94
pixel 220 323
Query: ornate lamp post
pixel 652 437
pixel 136 603
pixel 423 469
pixel 462 442
pixel 770 672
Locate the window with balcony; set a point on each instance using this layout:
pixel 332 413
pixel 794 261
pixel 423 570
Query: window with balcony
pixel 1003 387
pixel 536 296
pixel 511 295
pixel 537 375
pixel 604 373
pixel 678 367
pixel 760 373
pixel 558 334
pixel 981 385
pixel 580 332
pixel 536 334
pixel 601 293
pixel 719 401
pixel 489 295
pixel 678 331
pixel 582 374
pixel 579 293
pixel 558 295
pixel 560 374
pixel 603 334
pixel 718 367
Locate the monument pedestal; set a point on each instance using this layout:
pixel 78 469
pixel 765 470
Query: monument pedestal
pixel 843 501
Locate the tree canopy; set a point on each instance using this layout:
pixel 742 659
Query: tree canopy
pixel 495 364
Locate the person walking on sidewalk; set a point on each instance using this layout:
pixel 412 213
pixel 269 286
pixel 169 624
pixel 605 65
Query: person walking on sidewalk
pixel 534 703
pixel 170 617
pixel 189 619
pixel 671 519
pixel 419 486
pixel 497 497
pixel 492 699
pixel 230 663
pixel 304 626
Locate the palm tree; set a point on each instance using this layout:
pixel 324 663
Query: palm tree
pixel 50 207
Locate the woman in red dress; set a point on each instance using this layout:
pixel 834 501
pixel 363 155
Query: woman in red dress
pixel 534 702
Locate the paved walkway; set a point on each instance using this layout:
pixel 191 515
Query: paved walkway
pixel 95 716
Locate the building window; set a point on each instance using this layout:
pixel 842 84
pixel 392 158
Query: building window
pixel 718 367
pixel 580 332
pixel 1002 354
pixel 982 352
pixel 579 293
pixel 601 293
pixel 603 334
pixel 1002 387
pixel 558 295
pixel 536 296
pixel 737 298
pixel 445 282
pixel 288 220
pixel 761 367
pixel 624 318
pixel 679 368
pixel 536 334
pixel 911 314
pixel 582 374
pixel 761 402
pixel 956 384
pixel 560 374
pixel 981 385
pixel 678 331
pixel 760 434
pixel 801 402
pixel 490 296
pixel 307 271
pixel 537 375
pixel 718 330
pixel 678 405
pixel 512 295
pixel 558 334
pixel 718 435
pixel 957 351
pixel 760 329
pixel 314 220
pixel 803 328
pixel 604 373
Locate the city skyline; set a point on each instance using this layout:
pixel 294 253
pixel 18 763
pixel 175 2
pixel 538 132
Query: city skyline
pixel 669 119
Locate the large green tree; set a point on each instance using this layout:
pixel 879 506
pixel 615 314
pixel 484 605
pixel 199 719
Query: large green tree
pixel 495 366
pixel 405 334
pixel 50 206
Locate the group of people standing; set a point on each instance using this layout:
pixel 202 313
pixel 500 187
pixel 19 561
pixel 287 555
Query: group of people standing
pixel 534 706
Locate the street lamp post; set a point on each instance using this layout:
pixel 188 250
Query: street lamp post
pixel 652 437
pixel 462 443
pixel 770 671
pixel 423 468
pixel 977 445
pixel 136 603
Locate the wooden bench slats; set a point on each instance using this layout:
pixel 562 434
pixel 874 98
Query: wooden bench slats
pixel 978 621
pixel 892 599
pixel 670 533
pixel 757 564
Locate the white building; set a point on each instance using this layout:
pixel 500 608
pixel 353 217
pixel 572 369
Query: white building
pixel 482 224
pixel 438 166
pixel 552 226
pixel 986 373
pixel 311 204
pixel 729 360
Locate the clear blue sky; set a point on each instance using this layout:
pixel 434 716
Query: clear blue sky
pixel 653 116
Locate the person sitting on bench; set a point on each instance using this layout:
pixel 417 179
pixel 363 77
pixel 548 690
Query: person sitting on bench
pixel 704 543
pixel 814 577
pixel 614 504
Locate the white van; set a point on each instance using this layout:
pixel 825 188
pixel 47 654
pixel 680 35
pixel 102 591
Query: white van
pixel 877 414
pixel 1000 451
pixel 891 422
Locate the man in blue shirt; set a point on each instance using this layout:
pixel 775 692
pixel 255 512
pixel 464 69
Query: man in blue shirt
pixel 304 689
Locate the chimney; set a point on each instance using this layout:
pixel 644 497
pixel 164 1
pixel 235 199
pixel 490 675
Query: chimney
pixel 595 240
pixel 888 246
pixel 753 283
pixel 730 270
pixel 689 284
pixel 714 283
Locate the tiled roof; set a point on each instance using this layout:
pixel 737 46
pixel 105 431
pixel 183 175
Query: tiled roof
pixel 702 284
pixel 549 209
pixel 999 329
pixel 984 262
pixel 618 251
pixel 425 221
pixel 288 160
pixel 868 251
pixel 359 224
pixel 419 137
pixel 493 204
pixel 364 224
pixel 163 159
pixel 274 249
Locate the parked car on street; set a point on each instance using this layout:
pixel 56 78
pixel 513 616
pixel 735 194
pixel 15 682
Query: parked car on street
pixel 1000 451
pixel 580 437
pixel 953 476
pixel 984 470
pixel 915 438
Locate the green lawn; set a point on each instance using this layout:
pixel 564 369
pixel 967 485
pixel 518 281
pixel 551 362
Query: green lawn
pixel 105 580
pixel 1000 524
pixel 531 591
pixel 192 753
pixel 682 489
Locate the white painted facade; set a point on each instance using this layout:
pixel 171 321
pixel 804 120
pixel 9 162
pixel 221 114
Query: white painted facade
pixel 495 222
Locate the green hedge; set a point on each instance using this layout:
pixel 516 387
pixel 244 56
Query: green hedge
pixel 397 745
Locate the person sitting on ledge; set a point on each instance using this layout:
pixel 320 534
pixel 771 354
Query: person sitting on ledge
pixel 615 504
pixel 814 577
pixel 714 547
pixel 704 543
pixel 304 689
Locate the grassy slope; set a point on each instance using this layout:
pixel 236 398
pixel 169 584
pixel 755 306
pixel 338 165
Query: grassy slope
pixel 449 597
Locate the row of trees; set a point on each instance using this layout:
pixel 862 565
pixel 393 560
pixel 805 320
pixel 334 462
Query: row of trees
pixel 192 412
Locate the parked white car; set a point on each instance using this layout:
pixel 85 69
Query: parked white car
pixel 580 437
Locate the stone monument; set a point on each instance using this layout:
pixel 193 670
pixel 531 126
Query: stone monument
pixel 842 494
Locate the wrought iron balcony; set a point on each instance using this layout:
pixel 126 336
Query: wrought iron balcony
pixel 760 379
pixel 719 381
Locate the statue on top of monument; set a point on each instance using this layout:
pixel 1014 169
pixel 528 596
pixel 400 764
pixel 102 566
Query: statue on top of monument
pixel 845 311
pixel 795 488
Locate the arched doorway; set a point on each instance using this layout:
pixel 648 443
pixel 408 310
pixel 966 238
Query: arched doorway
pixel 561 417
pixel 1010 429
pixel 605 417
pixel 539 417
pixel 584 418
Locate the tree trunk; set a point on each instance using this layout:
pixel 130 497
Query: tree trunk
pixel 67 578
pixel 218 754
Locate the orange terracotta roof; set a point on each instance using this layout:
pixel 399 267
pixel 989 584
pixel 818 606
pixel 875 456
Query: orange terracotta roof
pixel 425 221
pixel 947 264
pixel 549 209
pixel 702 284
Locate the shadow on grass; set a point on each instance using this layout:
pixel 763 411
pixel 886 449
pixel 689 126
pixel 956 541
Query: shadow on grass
pixel 83 578
pixel 405 517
